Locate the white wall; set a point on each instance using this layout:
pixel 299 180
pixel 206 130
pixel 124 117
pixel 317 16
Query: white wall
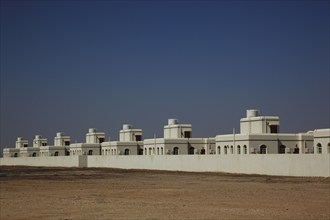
pixel 273 164
pixel 60 161
pixel 283 165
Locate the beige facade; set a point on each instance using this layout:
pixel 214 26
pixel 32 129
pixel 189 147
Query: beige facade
pixel 322 141
pixel 260 135
pixel 178 140
pixel 130 142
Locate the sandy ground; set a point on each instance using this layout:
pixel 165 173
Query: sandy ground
pixel 85 193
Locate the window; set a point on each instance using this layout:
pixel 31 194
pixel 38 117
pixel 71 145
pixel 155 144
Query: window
pixel 226 150
pixel 328 148
pixel 231 149
pixel 15 155
pixel 101 140
pixel 191 150
pixel 157 150
pixel 187 134
pixel 90 152
pixel 203 151
pixel 263 149
pixel 66 143
pixel 273 128
pixel 25 145
pixel 44 144
pixel 281 149
pixel 56 154
pixel 219 150
pixel 175 151
pixel 162 151
pixel 150 151
pixel 238 149
pixel 319 148
pixel 138 137
pixel 245 149
pixel 126 152
pixel 34 154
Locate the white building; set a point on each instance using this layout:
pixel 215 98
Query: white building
pixel 92 145
pixel 34 151
pixel 178 140
pixel 60 148
pixel 322 141
pixel 260 134
pixel 15 152
pixel 130 142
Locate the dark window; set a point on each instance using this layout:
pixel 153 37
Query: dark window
pixel 66 143
pixel 245 149
pixel 281 149
pixel 138 137
pixel 15 155
pixel 34 154
pixel 101 140
pixel 319 148
pixel 187 134
pixel 175 150
pixel 238 149
pixel 56 154
pixel 296 150
pixel 90 152
pixel 126 152
pixel 263 149
pixel 141 152
pixel 273 129
pixel 25 145
pixel 203 151
pixel 191 150
pixel 44 144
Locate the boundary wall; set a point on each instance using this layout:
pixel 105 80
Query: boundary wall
pixel 309 165
pixel 61 161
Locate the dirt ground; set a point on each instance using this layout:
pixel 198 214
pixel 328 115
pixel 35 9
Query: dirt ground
pixel 86 193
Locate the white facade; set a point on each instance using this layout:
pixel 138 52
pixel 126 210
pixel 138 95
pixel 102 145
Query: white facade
pixel 255 124
pixel 260 135
pixel 60 148
pixel 322 141
pixel 237 152
pixel 130 142
pixel 93 137
pixel 178 140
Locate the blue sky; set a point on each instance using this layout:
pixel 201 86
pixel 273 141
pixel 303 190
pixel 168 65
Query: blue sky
pixel 70 65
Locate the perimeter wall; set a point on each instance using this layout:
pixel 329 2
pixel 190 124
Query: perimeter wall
pixel 271 164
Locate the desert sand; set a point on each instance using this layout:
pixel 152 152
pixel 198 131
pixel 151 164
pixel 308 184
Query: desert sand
pixel 94 193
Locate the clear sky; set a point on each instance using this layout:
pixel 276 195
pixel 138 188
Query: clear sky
pixel 71 65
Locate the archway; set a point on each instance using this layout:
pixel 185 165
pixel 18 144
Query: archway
pixel 56 154
pixel 244 149
pixel 175 151
pixel 34 154
pixel 238 149
pixel 263 149
pixel 126 152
